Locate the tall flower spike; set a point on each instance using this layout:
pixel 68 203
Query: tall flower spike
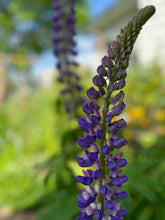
pixel 64 32
pixel 101 197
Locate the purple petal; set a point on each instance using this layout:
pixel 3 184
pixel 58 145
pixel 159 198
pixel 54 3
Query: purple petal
pixel 104 190
pixel 123 178
pixel 112 87
pixel 109 205
pixel 118 97
pixel 121 123
pixel 122 212
pixel 106 150
pixel 92 93
pixel 121 195
pixel 83 143
pixel 109 117
pixel 101 70
pixel 84 180
pixel 82 203
pixel 93 156
pixel 111 165
pixel 95 119
pixel 119 142
pixel 96 174
pixel 90 139
pixel 125 63
pixel 110 52
pixel 84 163
pixel 84 217
pixel 96 81
pixel 112 127
pixel 101 90
pixel 91 199
pixel 99 134
pixel 117 110
pixel 102 80
pixel 119 74
pixel 121 162
pixel 99 214
pixel 84 124
pixel 87 109
pixel 116 218
pixel 106 61
pixel 120 84
pixel 116 181
pixel 94 106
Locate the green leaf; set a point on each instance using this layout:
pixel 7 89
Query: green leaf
pixel 156 185
pixel 62 207
pixel 160 213
pixel 127 203
pixel 135 170
pixel 139 209
pixel 144 191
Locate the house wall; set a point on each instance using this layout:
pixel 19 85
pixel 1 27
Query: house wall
pixel 111 32
pixel 105 39
pixel 108 27
pixel 150 46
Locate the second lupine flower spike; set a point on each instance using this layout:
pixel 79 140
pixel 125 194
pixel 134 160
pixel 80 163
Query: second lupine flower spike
pixel 100 199
pixel 64 32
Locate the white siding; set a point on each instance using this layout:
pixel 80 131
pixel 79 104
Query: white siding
pixel 112 31
pixel 150 46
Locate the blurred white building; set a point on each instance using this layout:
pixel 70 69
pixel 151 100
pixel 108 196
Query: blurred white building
pixel 47 78
pixel 150 45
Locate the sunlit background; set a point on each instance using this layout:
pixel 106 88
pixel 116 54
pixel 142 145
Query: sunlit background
pixel 37 139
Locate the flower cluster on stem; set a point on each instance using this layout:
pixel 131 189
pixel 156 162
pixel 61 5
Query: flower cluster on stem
pixel 64 50
pixel 101 197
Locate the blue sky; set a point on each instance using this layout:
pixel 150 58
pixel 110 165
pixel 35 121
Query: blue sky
pixel 97 7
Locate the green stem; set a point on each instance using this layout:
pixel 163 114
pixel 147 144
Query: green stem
pixel 102 155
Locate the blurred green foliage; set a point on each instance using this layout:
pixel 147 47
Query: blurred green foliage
pixel 24 24
pixel 38 142
pixel 145 115
pixel 26 138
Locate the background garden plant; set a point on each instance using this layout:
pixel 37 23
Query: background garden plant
pixel 64 49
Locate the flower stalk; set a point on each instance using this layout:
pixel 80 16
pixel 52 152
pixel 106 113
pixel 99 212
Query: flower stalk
pixel 64 51
pixel 100 199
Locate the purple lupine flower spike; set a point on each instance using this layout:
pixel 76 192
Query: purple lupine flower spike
pixel 101 197
pixel 64 50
